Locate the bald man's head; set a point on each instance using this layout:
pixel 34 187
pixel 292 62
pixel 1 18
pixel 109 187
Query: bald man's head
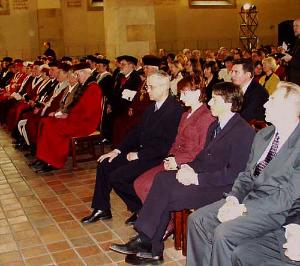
pixel 297 27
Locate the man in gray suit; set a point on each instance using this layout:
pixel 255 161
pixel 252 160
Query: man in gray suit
pixel 262 197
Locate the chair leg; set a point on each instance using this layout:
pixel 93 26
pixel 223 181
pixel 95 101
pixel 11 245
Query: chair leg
pixel 74 157
pixel 178 230
pixel 185 214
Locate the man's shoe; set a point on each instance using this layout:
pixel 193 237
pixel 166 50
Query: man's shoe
pixel 132 219
pixel 135 260
pixel 97 215
pixel 45 169
pixel 133 246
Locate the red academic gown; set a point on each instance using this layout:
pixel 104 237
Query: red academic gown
pixel 190 140
pixel 33 119
pixel 16 110
pixel 55 134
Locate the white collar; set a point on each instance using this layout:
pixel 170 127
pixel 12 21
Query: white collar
pixel 225 119
pixel 246 85
pixel 160 103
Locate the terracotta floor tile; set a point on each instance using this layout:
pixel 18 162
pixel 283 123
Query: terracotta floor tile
pixel 18 219
pixel 39 261
pixel 115 256
pixel 34 209
pixel 77 262
pixel 21 226
pixel 8 247
pixel 63 217
pixel 104 236
pixel 58 246
pixel 24 234
pixel 18 263
pixel 14 213
pixel 33 251
pixel 8 257
pixel 82 241
pixel 65 255
pixel 50 234
pixel 29 242
pixel 88 251
pixel 99 259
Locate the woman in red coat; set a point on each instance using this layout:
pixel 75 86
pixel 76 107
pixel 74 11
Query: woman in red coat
pixel 83 118
pixel 190 137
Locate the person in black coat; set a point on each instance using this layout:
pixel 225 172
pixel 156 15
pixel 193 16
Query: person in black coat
pixel 198 183
pixel 293 58
pixel 255 95
pixel 144 147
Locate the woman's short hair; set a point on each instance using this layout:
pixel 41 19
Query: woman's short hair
pixel 231 93
pixel 213 66
pixel 270 61
pixel 192 82
pixel 177 64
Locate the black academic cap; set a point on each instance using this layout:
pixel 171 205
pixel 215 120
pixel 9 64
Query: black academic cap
pixel 127 58
pixel 151 60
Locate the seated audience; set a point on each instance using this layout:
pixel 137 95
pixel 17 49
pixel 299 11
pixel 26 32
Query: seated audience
pixel 144 147
pixel 190 137
pixel 254 94
pixel 55 133
pixel 195 184
pixel 246 227
pixel 270 80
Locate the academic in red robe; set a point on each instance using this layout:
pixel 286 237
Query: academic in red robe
pixel 55 134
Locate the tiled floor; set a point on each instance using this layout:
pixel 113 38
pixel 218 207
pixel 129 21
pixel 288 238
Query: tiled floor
pixel 40 217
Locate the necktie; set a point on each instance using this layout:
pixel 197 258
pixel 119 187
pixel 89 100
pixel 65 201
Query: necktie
pixel 217 130
pixel 272 152
pixel 155 108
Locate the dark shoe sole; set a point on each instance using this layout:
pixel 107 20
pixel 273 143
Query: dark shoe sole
pixel 96 220
pixel 134 260
pixel 116 249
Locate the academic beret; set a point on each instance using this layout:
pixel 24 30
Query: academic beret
pixel 81 66
pixel 127 58
pixel 91 58
pixel 7 59
pixel 102 61
pixel 151 60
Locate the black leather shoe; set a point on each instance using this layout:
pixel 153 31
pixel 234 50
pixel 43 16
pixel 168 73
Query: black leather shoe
pixel 133 246
pixel 135 260
pixel 45 169
pixel 96 216
pixel 35 163
pixel 132 219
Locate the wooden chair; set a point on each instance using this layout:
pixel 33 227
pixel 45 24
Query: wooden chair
pixel 91 140
pixel 181 230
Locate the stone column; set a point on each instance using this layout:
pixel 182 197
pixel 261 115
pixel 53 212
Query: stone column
pixel 129 27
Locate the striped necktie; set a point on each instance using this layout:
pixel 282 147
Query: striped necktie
pixel 271 154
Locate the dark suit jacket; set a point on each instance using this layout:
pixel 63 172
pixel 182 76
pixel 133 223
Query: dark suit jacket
pixel 254 99
pixel 154 135
pixel 276 191
pixel 294 64
pixel 4 81
pixel 119 105
pixel 106 84
pixel 224 156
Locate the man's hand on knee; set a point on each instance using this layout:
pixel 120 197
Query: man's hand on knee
pixel 110 155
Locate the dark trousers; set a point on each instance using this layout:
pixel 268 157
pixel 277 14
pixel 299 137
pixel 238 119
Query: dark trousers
pixel 119 175
pixel 167 195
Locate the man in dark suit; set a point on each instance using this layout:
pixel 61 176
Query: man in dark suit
pixel 5 74
pixel 246 227
pixel 197 183
pixel 254 94
pixel 143 148
pixel 293 58
pixel 91 59
pixel 127 80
